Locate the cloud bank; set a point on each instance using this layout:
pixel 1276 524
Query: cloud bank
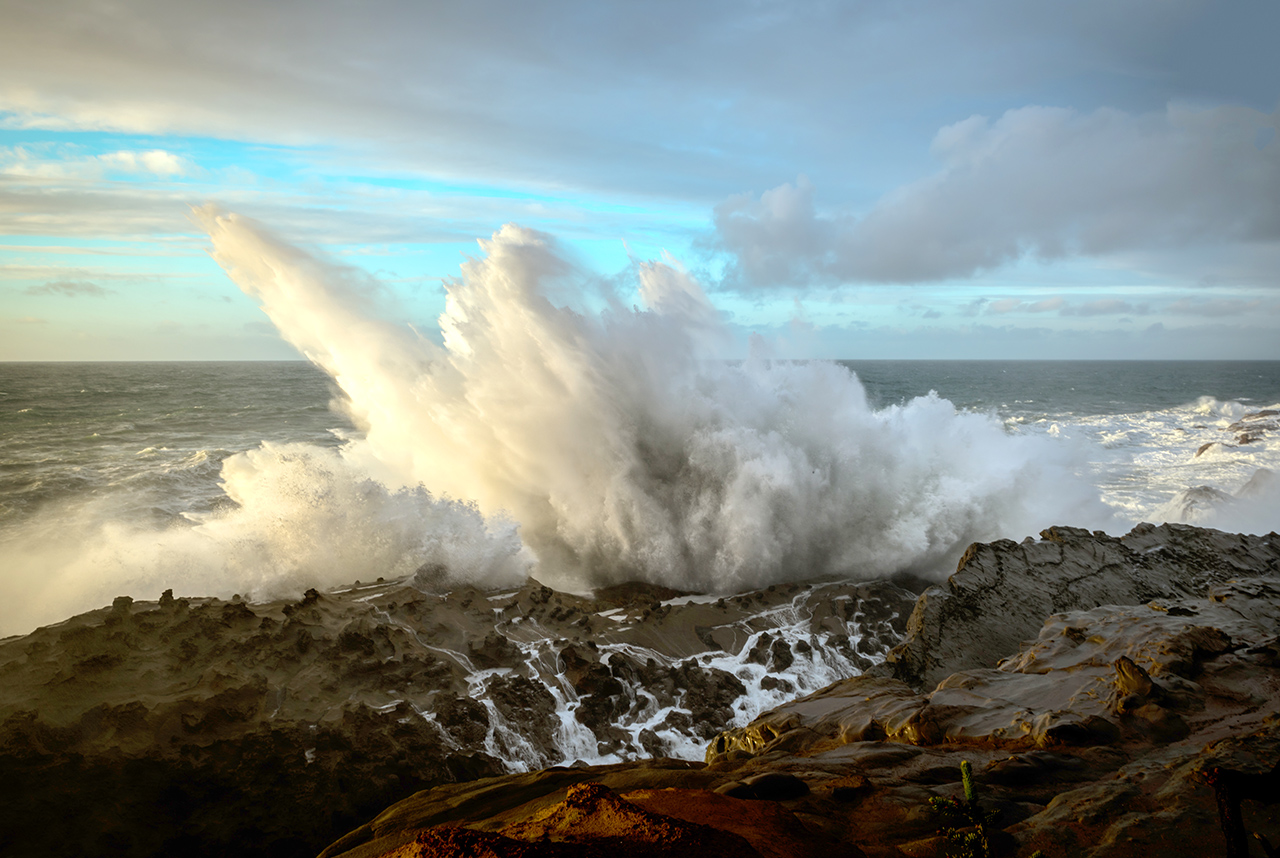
pixel 1039 182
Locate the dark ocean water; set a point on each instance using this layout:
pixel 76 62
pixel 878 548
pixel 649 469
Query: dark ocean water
pixel 1071 388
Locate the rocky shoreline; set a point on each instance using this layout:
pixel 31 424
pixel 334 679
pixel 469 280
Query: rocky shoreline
pixel 212 726
pixel 1138 716
pixel 1106 691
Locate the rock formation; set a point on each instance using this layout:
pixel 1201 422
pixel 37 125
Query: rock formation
pixel 202 726
pixel 1115 697
pixel 1137 717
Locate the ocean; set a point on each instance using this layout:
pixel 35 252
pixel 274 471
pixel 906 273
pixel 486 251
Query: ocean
pixel 266 478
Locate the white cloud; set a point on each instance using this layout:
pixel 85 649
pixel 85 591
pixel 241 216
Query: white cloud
pixel 1042 182
pixel 69 289
pixel 158 163
pixel 1105 307
pixel 1222 307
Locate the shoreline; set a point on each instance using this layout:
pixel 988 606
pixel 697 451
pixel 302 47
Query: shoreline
pixel 345 702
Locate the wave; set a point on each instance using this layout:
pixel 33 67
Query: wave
pixel 624 449
pixel 587 447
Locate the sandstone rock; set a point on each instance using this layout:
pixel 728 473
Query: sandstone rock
pixel 593 815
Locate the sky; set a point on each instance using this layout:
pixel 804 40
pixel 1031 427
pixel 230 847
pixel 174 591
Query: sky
pixel 917 179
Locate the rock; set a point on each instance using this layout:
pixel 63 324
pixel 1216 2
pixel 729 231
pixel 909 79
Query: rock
pixel 1090 681
pixel 495 650
pixel 522 701
pixel 466 720
pixel 770 786
pixel 953 628
pixel 772 830
pixel 1110 714
pixel 593 815
pixel 1133 685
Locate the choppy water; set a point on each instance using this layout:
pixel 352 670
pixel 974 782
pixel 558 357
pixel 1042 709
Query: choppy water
pixel 151 435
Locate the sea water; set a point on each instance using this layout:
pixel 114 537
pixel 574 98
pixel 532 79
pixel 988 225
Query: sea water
pixel 94 455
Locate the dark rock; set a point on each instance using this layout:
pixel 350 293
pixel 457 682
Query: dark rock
pixel 781 655
pixel 465 719
pixel 759 653
pixel 495 651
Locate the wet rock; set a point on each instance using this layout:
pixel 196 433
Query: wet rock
pixel 781 656
pixel 708 694
pixel 529 705
pixel 759 653
pixel 321 699
pixel 495 650
pixel 951 627
pixel 466 720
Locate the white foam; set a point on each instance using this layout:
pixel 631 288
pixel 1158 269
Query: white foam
pixel 1171 464
pixel 624 451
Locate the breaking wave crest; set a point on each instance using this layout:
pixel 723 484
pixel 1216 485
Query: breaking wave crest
pixel 588 448
pixel 623 450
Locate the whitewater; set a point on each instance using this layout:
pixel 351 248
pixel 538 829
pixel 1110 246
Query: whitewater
pixel 532 435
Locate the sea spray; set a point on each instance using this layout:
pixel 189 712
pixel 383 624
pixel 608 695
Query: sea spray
pixel 586 447
pixel 623 451
pixel 301 517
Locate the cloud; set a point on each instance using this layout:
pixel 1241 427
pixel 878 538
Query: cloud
pixel 1222 307
pixel 1045 306
pixel 1039 182
pixel 1017 305
pixel 694 99
pixel 70 289
pixel 777 238
pixel 1106 307
pixel 1004 305
pixel 162 164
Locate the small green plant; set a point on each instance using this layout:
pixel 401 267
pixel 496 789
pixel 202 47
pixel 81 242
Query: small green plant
pixel 965 825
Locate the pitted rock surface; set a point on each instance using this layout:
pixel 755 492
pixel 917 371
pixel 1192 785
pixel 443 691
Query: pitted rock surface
pixel 1003 591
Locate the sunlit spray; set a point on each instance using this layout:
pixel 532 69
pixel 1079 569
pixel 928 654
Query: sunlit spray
pixel 623 450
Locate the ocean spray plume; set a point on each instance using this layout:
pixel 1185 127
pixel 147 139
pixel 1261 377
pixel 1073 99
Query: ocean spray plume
pixel 303 517
pixel 623 453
